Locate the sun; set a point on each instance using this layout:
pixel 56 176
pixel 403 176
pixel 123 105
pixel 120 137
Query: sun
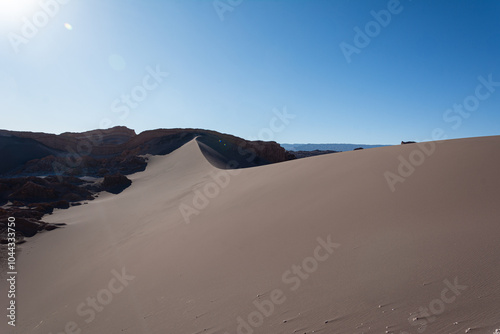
pixel 15 6
pixel 14 10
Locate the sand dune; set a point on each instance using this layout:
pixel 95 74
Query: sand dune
pixel 422 258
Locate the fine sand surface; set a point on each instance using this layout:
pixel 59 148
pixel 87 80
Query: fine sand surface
pixel 422 259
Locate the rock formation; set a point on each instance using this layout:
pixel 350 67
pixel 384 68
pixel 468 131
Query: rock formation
pixel 119 149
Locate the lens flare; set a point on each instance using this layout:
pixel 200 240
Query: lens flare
pixel 68 26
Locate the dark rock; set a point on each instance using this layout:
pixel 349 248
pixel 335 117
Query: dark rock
pixel 27 221
pixel 103 171
pixel 72 197
pixel 60 204
pixel 32 192
pixel 45 208
pixel 50 227
pixel 115 184
pixel 407 142
pixel 28 226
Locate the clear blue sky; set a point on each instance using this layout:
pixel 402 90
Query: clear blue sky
pixel 229 75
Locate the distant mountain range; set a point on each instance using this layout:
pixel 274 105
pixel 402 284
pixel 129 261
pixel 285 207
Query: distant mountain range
pixel 326 147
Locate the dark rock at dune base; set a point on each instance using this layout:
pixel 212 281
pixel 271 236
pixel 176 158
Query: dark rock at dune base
pixel 33 197
pixel 115 184
pixel 60 205
pixel 408 142
pixel 27 224
pixel 25 190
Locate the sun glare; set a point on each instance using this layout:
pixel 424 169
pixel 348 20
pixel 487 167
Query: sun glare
pixel 14 10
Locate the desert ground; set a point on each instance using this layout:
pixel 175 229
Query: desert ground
pixel 315 245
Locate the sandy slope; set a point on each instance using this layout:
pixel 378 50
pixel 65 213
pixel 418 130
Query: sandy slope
pixel 431 244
